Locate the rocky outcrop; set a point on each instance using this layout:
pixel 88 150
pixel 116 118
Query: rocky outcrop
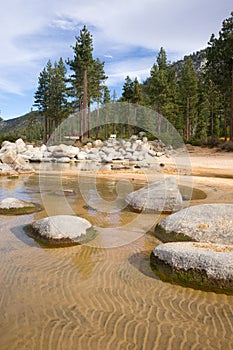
pixel 62 229
pixel 16 206
pixel 202 223
pixel 200 265
pixel 11 154
pixel 160 196
pixel 137 151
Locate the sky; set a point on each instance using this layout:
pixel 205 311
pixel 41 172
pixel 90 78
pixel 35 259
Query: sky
pixel 127 35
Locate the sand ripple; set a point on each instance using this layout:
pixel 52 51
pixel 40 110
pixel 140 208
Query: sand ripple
pixel 89 298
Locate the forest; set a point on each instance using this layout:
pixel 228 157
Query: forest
pixel 195 95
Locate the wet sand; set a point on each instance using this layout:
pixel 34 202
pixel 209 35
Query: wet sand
pixel 88 298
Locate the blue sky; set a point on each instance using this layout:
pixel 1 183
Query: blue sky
pixel 126 34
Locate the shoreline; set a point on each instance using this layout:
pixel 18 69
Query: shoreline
pixel 211 172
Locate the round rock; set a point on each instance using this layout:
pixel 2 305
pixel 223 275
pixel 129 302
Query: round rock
pixel 201 223
pixel 199 265
pixel 62 229
pixel 160 196
pixel 16 206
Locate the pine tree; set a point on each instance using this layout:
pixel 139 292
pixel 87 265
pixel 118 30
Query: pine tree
pixel 128 90
pixel 81 66
pixel 220 65
pixel 158 87
pixel 188 89
pixel 51 96
pixel 87 78
pixel 42 95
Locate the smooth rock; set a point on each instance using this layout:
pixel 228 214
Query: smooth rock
pixel 63 160
pixel 160 196
pixel 24 169
pixel 201 223
pixel 9 156
pixel 7 145
pixel 16 206
pixel 82 155
pixel 202 265
pixel 7 170
pixel 20 146
pixel 62 229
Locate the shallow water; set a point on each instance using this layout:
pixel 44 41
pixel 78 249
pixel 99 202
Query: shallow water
pixel 102 295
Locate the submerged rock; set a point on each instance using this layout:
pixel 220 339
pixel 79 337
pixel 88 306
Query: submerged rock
pixel 160 196
pixel 16 206
pixel 200 265
pixel 202 223
pixel 6 169
pixel 62 229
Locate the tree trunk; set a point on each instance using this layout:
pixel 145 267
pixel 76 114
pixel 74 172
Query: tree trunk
pixel 128 122
pixel 225 124
pixel 159 119
pixel 89 121
pixel 231 122
pixel 187 134
pixel 97 122
pixel 84 100
pixel 212 119
pixel 45 128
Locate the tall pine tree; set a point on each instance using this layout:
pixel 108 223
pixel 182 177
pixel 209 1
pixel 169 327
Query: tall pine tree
pixel 188 91
pixel 220 65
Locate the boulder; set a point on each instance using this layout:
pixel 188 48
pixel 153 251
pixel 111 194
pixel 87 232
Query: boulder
pixel 199 265
pixel 98 143
pixel 82 155
pixel 7 170
pixel 63 160
pixel 160 196
pixel 24 169
pixel 7 145
pixel 62 229
pixel 9 156
pixel 201 223
pixel 19 160
pixel 63 150
pixel 20 146
pixel 16 206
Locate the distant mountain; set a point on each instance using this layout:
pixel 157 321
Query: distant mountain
pixel 25 121
pixel 199 62
pixel 28 127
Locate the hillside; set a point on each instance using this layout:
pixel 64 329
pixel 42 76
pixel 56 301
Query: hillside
pixel 199 62
pixel 21 122
pixel 28 126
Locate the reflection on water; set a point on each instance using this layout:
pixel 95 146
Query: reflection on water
pixel 87 297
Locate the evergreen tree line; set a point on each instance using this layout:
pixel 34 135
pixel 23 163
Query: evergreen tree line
pixel 199 104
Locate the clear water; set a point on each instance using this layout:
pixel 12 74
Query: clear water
pixel 102 295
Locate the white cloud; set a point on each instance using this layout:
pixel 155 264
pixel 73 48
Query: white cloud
pixel 33 31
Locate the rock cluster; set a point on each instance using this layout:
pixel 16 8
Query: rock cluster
pixel 206 263
pixel 15 157
pixel 62 229
pixel 12 160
